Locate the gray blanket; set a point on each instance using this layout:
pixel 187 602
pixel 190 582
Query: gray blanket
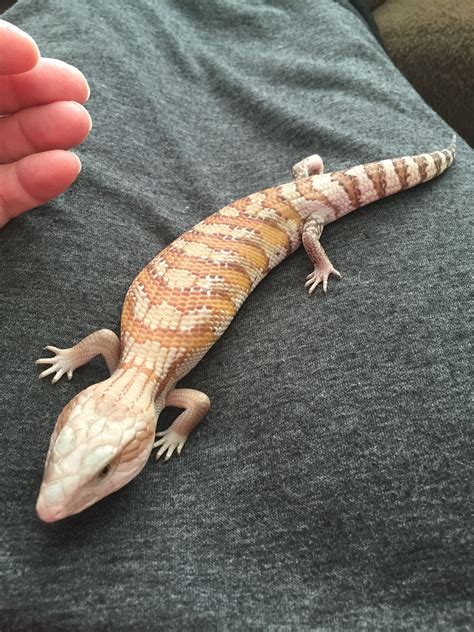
pixel 327 489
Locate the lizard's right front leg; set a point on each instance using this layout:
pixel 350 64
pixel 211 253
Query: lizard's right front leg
pixel 103 342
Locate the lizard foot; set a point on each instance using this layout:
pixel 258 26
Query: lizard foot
pixel 61 363
pixel 321 275
pixel 169 442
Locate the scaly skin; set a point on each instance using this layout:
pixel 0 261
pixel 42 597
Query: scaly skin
pixel 177 308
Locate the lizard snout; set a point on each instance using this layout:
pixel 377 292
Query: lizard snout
pixel 49 514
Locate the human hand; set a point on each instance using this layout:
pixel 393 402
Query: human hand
pixel 40 118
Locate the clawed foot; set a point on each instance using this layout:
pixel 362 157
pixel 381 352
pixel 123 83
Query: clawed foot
pixel 320 275
pixel 169 442
pixel 61 363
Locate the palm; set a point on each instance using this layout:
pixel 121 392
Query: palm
pixel 34 93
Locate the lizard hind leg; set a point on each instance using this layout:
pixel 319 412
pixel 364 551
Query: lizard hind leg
pixel 310 166
pixel 323 268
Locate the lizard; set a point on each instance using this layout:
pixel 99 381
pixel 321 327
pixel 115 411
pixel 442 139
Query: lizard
pixel 178 306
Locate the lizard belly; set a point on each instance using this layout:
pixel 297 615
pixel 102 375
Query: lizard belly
pixel 184 299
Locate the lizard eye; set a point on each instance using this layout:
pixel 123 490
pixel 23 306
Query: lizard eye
pixel 104 471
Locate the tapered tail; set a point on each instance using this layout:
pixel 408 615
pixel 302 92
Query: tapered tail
pixel 373 181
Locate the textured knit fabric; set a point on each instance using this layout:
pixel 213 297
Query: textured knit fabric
pixel 328 487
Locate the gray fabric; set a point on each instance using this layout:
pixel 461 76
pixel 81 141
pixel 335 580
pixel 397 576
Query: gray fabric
pixel 327 489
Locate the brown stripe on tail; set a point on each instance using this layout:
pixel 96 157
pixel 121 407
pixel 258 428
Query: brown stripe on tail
pixel 377 176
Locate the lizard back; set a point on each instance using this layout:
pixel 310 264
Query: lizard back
pixel 185 298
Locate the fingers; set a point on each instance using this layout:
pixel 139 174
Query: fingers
pixel 50 80
pixel 54 126
pixel 34 180
pixel 42 97
pixel 18 51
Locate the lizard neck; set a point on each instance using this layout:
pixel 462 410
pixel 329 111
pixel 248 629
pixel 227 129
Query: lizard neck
pixel 137 386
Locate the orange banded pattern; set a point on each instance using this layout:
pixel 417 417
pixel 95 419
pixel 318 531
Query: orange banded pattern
pixel 188 294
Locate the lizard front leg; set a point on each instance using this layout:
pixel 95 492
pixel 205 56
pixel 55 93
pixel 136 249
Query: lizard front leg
pixel 196 406
pixel 323 268
pixel 102 342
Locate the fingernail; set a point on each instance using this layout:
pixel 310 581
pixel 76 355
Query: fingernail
pixel 78 162
pixel 64 64
pixel 83 109
pixel 90 119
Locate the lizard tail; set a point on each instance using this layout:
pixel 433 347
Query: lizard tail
pixel 375 180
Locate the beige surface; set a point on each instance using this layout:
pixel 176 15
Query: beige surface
pixel 432 43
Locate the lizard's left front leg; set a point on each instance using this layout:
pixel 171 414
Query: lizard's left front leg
pixel 323 268
pixel 196 406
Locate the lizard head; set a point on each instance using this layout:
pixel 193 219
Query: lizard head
pixel 99 444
